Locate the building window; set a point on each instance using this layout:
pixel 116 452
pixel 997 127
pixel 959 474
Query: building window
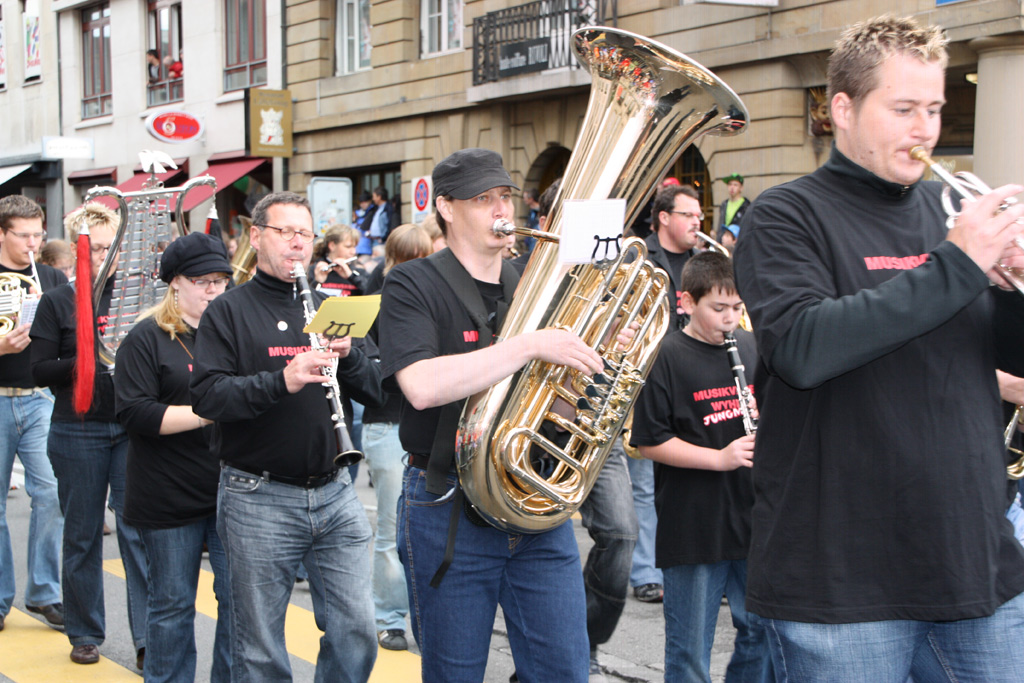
pixel 96 84
pixel 246 43
pixel 164 58
pixel 353 36
pixel 441 29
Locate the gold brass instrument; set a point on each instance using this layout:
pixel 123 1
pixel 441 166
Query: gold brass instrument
pixel 13 298
pixel 244 259
pixel 969 186
pixel 1014 470
pixel 145 218
pixel 647 102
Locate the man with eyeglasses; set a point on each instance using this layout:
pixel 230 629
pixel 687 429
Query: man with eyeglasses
pixel 676 217
pixel 24 424
pixel 258 379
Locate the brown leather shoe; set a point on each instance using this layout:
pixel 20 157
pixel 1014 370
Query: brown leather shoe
pixel 54 614
pixel 140 659
pixel 85 654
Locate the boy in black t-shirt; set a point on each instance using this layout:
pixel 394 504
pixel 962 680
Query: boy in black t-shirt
pixel 689 421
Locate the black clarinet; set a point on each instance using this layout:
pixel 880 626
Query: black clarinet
pixel 347 453
pixel 742 388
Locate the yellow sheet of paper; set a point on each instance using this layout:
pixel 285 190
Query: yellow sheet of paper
pixel 342 316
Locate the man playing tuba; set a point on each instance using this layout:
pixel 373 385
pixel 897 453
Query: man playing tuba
pixel 433 351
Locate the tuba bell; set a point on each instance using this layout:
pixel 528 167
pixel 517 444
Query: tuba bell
pixel 647 103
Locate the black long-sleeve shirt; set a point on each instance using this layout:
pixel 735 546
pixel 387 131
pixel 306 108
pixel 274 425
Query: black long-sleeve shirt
pixel 245 339
pixel 879 470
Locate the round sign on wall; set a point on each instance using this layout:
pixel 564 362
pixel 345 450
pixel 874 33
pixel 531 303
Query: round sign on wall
pixel 421 194
pixel 174 126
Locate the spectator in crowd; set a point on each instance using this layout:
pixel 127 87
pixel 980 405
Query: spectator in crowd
pixel 732 209
pixel 58 254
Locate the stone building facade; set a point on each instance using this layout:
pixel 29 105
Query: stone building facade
pixel 408 98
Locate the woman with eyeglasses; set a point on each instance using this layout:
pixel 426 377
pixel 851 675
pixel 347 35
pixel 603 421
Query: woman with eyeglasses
pixel 171 494
pixel 87 451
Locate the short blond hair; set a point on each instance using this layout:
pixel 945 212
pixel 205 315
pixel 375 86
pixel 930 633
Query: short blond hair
pixel 405 243
pixel 92 215
pixel 864 47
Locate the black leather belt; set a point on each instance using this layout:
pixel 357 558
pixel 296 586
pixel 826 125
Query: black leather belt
pixel 419 460
pixel 312 482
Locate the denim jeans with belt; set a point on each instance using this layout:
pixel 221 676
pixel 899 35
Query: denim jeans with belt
pixel 89 457
pixel 966 651
pixel 24 424
pixel 610 518
pixel 384 456
pixel 535 578
pixel 175 555
pixel 268 529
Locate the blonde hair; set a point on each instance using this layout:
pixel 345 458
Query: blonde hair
pixel 92 215
pixel 431 227
pixel 865 46
pixel 167 315
pixel 405 243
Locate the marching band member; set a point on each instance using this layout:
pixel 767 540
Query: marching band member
pixel 24 423
pixel 258 379
pixel 432 351
pixel 880 548
pixel 87 451
pixel 171 490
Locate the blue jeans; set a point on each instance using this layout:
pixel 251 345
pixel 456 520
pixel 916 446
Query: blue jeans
pixel 175 555
pixel 610 518
pixel 641 474
pixel 87 458
pixel 268 529
pixel 1016 516
pixel 384 456
pixel 24 423
pixel 693 596
pixel 535 578
pixel 966 651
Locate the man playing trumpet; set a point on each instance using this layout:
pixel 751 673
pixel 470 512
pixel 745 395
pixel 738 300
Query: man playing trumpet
pixel 880 548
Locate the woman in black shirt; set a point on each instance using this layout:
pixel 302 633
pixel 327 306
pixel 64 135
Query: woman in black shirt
pixel 171 492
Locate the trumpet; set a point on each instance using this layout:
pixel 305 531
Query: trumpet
pixel 969 186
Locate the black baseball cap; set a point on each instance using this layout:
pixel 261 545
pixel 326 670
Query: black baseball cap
pixel 468 172
pixel 193 255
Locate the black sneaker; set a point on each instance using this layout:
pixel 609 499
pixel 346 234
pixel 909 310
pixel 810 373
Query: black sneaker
pixel 54 614
pixel 649 592
pixel 393 639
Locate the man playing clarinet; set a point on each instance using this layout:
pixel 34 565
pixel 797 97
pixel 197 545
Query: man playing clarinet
pixel 258 377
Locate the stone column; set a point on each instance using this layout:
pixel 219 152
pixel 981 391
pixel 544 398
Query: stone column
pixel 999 110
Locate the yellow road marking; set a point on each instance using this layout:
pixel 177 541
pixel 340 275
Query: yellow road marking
pixel 301 634
pixel 32 652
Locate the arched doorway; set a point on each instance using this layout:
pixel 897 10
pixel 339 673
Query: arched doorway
pixel 690 169
pixel 547 168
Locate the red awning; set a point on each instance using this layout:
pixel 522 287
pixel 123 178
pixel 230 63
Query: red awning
pixel 93 175
pixel 225 173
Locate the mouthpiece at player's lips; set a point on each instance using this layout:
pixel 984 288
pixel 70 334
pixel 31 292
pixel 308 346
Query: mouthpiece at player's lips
pixel 503 227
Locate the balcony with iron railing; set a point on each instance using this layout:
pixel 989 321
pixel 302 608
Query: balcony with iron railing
pixel 533 37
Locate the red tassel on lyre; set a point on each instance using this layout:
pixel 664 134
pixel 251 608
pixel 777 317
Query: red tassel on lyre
pixel 85 329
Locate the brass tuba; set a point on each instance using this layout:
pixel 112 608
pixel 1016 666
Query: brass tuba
pixel 647 102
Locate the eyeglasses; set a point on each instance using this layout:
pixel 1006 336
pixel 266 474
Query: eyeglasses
pixel 99 248
pixel 203 283
pixel 27 235
pixel 687 215
pixel 288 233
